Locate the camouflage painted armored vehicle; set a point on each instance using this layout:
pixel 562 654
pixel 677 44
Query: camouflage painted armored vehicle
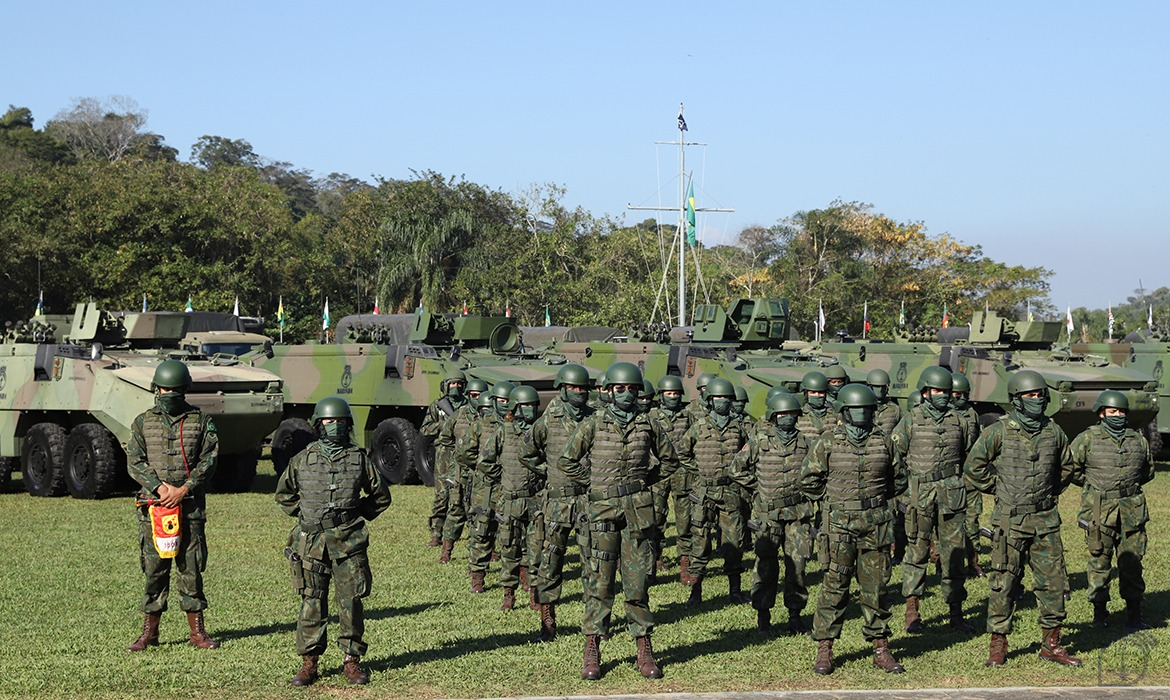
pixel 1147 352
pixel 389 368
pixel 71 386
pixel 993 347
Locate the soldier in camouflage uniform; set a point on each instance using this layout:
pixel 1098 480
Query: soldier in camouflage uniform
pixel 933 442
pixel 646 396
pixel 697 408
pixel 961 407
pixel 322 488
pixel 1023 459
pixel 172 454
pixel 706 451
pixel 889 414
pixel 1111 462
pixel 564 505
pixel 610 452
pixel 436 416
pixel 671 415
pixel 855 471
pixel 837 378
pixel 500 462
pixel 769 468
pixel 815 415
pixel 457 478
pixel 485 486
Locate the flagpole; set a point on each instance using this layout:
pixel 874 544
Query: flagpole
pixel 682 222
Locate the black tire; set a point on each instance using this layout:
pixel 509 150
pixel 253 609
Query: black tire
pixel 424 462
pixel 7 464
pixel 235 473
pixel 92 461
pixel 1155 438
pixel 986 420
pixel 291 436
pixel 394 449
pixel 42 460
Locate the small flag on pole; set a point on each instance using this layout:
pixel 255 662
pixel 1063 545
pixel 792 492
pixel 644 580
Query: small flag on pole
pixel 821 315
pixel 682 123
pixel 547 318
pixel 236 308
pixel 1068 322
pixel 143 303
pixel 465 311
pixel 280 312
pixel 1150 318
pixel 508 308
pixel 377 309
pixel 692 239
pixel 41 304
pixel 946 320
pixel 1030 316
pixel 865 320
pixel 325 316
pixel 902 314
pixel 1110 319
pixel 189 308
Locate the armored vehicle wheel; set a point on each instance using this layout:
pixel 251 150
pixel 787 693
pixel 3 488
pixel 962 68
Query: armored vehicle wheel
pixel 42 460
pixel 7 464
pixel 394 449
pixel 1154 437
pixel 292 436
pixel 424 463
pixel 986 420
pixel 235 473
pixel 91 461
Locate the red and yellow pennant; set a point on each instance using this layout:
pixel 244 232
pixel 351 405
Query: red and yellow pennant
pixel 166 524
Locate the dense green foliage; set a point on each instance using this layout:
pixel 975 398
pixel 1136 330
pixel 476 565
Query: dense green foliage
pixel 70 590
pixel 94 206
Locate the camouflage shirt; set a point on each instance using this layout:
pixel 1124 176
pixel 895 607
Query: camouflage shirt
pixel 189 464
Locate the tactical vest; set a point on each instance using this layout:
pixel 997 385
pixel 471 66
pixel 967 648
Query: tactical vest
pixel 1025 473
pixel 620 455
pixel 172 450
pixel 778 465
pixel 1114 467
pixel 936 449
pixel 715 447
pixel 515 479
pixel 559 426
pixel 675 422
pixel 329 485
pixel 857 473
pixel 888 415
pixel 810 424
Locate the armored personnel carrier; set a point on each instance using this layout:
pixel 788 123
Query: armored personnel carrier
pixel 389 368
pixel 993 347
pixel 1147 352
pixel 71 386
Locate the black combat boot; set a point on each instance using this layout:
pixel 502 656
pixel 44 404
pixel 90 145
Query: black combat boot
pixel 735 593
pixel 764 621
pixel 957 622
pixel 1100 614
pixel 1133 616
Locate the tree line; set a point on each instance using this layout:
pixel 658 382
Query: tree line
pixel 94 206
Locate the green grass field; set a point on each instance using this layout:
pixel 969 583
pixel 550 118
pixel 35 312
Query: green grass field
pixel 70 590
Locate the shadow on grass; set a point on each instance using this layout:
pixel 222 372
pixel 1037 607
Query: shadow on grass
pixel 453 650
pixel 291 626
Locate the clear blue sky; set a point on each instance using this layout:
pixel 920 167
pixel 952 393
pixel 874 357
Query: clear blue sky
pixel 1038 130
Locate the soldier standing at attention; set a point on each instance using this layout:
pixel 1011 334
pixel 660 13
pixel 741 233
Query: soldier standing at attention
pixel 769 467
pixel 437 414
pixel 1023 459
pixel 671 415
pixel 564 501
pixel 888 415
pixel 698 408
pixel 646 396
pixel 706 451
pixel 499 460
pixel 855 471
pixel 816 414
pixel 933 441
pixel 618 443
pixel 1111 462
pixel 837 377
pixel 961 406
pixel 451 432
pixel 171 454
pixel 485 485
pixel 322 488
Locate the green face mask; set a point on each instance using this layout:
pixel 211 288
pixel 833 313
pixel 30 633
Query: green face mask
pixel 576 399
pixel 670 403
pixel 737 408
pixel 881 391
pixel 336 433
pixel 961 402
pixel 1114 425
pixel 860 416
pixel 645 404
pixel 171 404
pixel 526 412
pixel 501 408
pixel 626 401
pixel 455 393
pixel 721 406
pixel 786 422
pixel 941 402
pixel 815 402
pixel 1032 408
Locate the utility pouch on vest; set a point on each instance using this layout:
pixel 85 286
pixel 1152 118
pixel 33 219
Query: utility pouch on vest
pixel 911 523
pixel 754 525
pixel 643 511
pixel 1093 538
pixel 165 526
pixel 823 549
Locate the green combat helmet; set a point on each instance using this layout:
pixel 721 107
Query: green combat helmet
pixel 720 387
pixel 476 386
pixel 1026 380
pixel 702 382
pixel 782 402
pixel 455 375
pixel 879 381
pixel 502 390
pixel 522 395
pixel 483 403
pixel 1111 398
pixel 936 378
pixel 960 384
pixel 739 405
pixel 836 377
pixel 670 383
pixel 331 407
pixel 622 373
pixel 814 381
pixel 602 395
pixel 778 389
pixel 857 396
pixel 646 396
pixel 171 374
pixel 574 375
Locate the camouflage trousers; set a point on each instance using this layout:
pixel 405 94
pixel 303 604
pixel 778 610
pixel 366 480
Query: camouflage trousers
pixel 793 540
pixel 456 512
pixel 445 496
pixel 974 514
pixel 854 544
pixel 948 532
pixel 621 530
pixel 721 513
pixel 519 538
pixel 351 583
pixel 1120 534
pixel 1043 551
pixel 666 492
pixel 563 515
pixel 190 562
pixel 484 524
